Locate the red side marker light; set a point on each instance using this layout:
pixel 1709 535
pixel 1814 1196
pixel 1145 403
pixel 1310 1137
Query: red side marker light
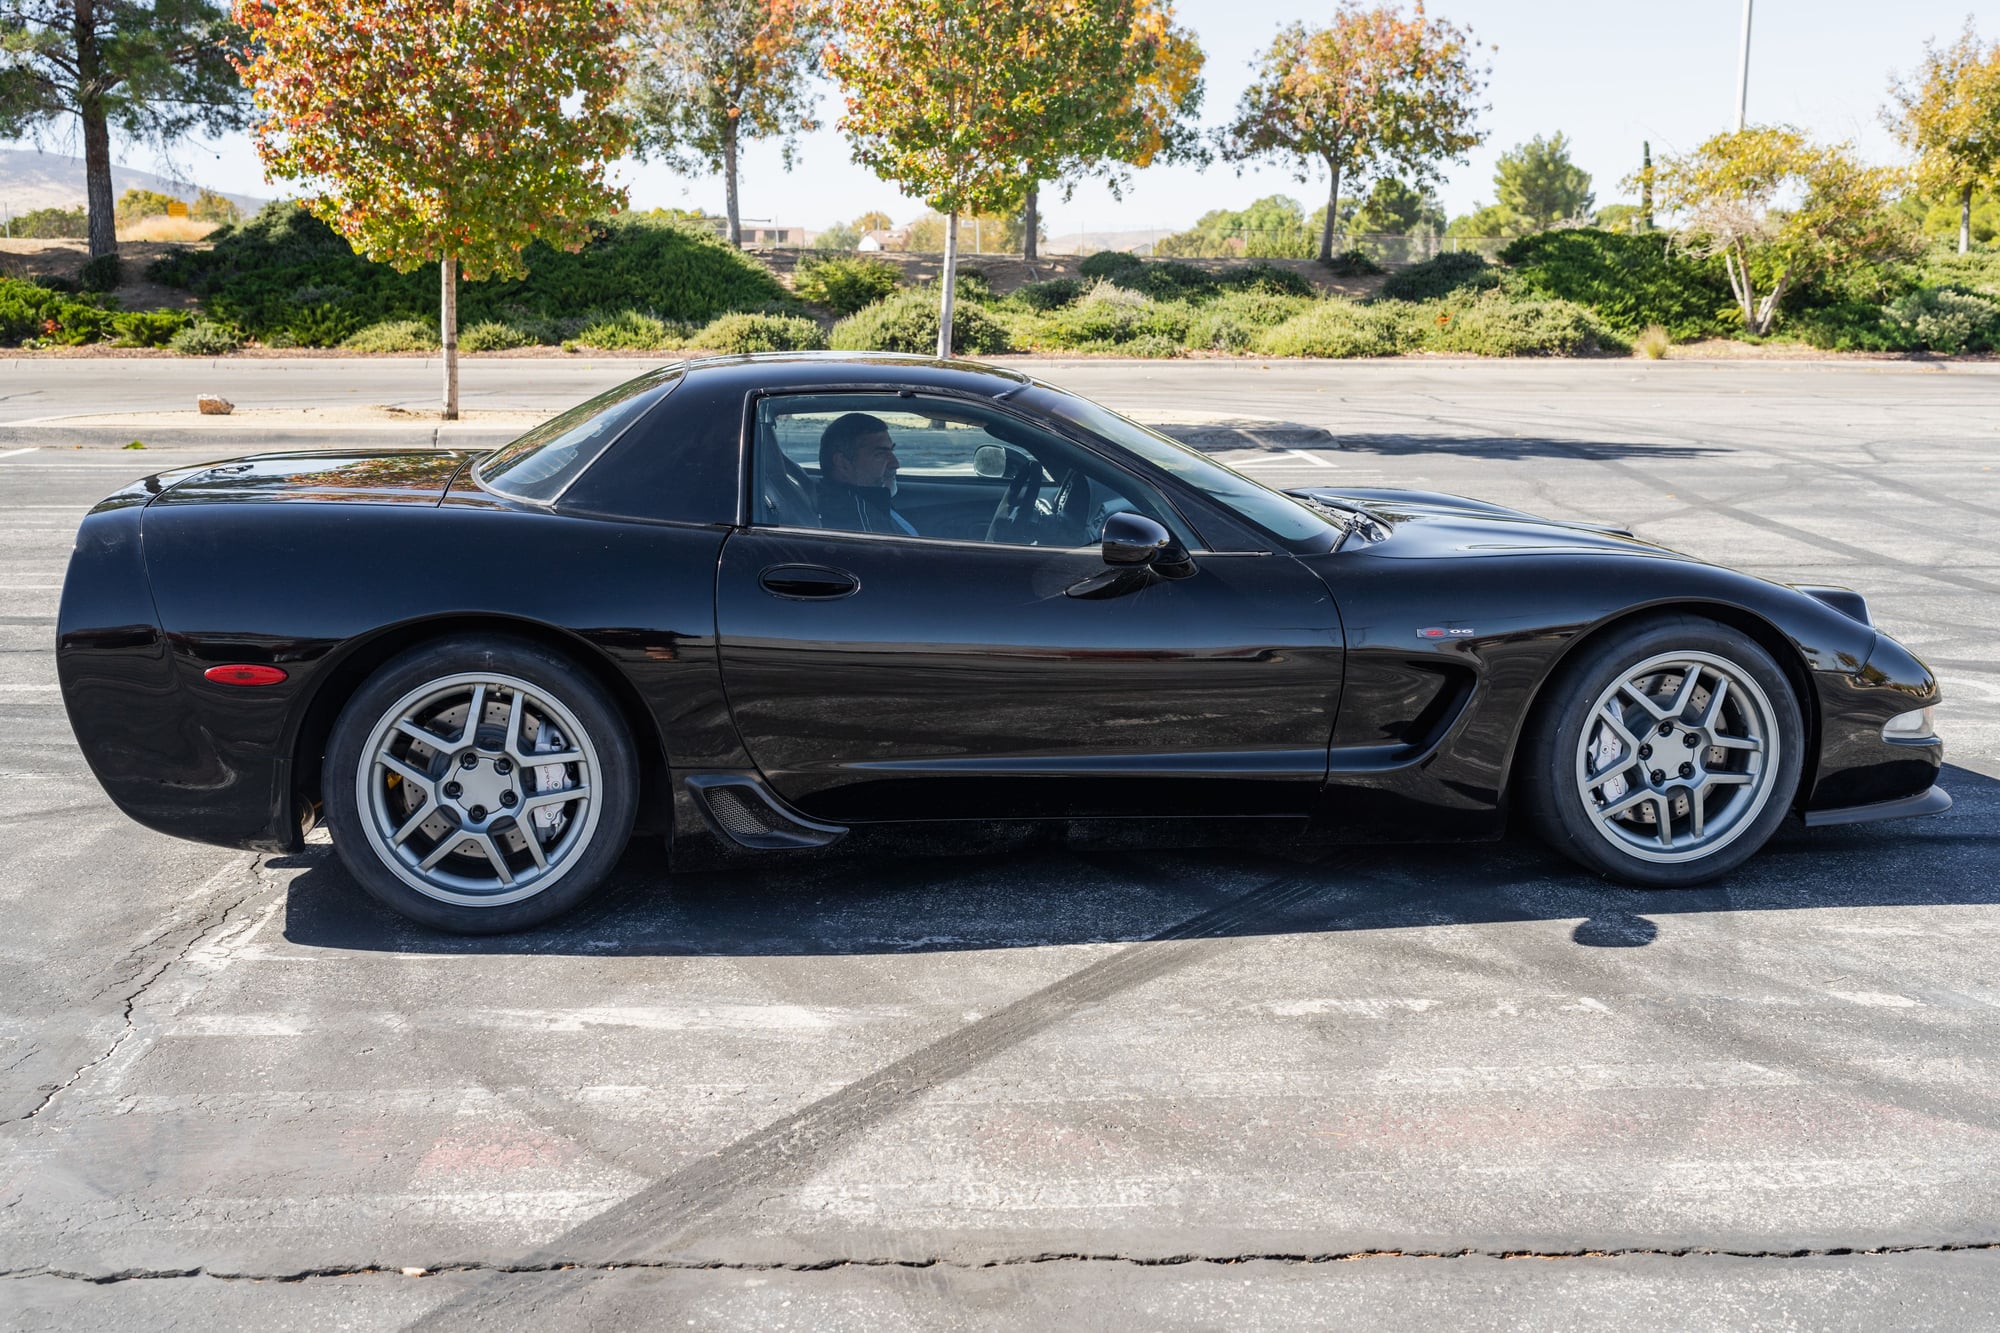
pixel 245 674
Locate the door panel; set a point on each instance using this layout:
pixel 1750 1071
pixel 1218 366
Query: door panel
pixel 957 680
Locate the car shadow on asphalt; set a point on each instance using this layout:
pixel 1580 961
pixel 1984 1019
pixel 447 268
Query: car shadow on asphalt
pixel 1033 899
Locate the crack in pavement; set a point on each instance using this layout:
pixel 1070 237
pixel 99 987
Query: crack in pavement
pixel 204 924
pixel 1031 1259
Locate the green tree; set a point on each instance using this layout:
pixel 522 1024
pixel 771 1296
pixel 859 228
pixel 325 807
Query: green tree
pixel 715 74
pixel 453 137
pixel 1394 209
pixel 157 70
pixel 1779 210
pixel 1485 220
pixel 955 99
pixel 1540 186
pixel 208 206
pixel 840 236
pixel 874 220
pixel 1948 114
pixel 1274 227
pixel 1370 91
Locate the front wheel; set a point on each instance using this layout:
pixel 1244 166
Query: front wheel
pixel 481 785
pixel 1667 756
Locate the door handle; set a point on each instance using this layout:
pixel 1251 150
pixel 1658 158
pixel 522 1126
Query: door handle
pixel 808 582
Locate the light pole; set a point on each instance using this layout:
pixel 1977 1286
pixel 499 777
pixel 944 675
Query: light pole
pixel 1743 70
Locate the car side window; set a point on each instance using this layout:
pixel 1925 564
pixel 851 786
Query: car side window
pixel 918 466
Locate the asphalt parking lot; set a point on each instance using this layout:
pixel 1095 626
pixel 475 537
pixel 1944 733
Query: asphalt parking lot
pixel 1387 1087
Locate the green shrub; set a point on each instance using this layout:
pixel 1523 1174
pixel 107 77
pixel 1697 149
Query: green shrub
pixel 761 333
pixel 205 338
pixel 1976 272
pixel 1233 321
pixel 257 271
pixel 1266 277
pixel 55 282
pixel 843 283
pixel 628 330
pixel 1946 321
pixel 102 274
pixel 1109 316
pixel 1152 345
pixel 1338 328
pixel 494 335
pixel 51 224
pixel 1440 276
pixel 1353 264
pixel 148 328
pixel 1166 280
pixel 1494 323
pixel 1109 263
pixel 1053 294
pixel 908 322
pixel 1631 280
pixel 31 314
pixel 395 335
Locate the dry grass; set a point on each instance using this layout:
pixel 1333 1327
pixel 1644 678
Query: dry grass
pixel 160 227
pixel 1653 343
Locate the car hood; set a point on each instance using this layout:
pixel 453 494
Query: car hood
pixel 406 476
pixel 1430 524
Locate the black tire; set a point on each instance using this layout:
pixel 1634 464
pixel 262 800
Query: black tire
pixel 1553 770
pixel 590 843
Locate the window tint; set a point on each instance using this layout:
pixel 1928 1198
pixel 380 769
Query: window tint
pixel 539 464
pixel 935 467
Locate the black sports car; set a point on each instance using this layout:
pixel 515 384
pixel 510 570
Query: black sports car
pixel 764 605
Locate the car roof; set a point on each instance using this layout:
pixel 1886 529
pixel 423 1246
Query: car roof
pixel 826 369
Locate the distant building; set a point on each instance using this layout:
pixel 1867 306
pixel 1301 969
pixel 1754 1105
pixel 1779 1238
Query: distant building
pixel 891 238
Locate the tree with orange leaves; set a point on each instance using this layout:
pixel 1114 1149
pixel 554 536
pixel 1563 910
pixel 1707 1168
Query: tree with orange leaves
pixel 453 134
pixel 957 100
pixel 1148 115
pixel 1371 89
pixel 713 74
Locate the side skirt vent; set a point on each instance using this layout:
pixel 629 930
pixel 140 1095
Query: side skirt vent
pixel 740 809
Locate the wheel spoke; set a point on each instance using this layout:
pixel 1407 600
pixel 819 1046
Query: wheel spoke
pixel 475 712
pixel 1631 690
pixel 422 735
pixel 1750 743
pixel 1629 801
pixel 1696 815
pixel 1711 717
pixel 515 712
pixel 1663 812
pixel 498 861
pixel 1690 682
pixel 407 772
pixel 446 844
pixel 1610 718
pixel 554 757
pixel 1729 780
pixel 413 823
pixel 534 844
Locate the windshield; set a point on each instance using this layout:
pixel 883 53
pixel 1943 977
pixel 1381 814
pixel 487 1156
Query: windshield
pixel 541 463
pixel 1275 512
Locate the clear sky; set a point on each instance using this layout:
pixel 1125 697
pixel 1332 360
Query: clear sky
pixel 1609 73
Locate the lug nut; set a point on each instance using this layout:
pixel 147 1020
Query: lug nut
pixel 505 766
pixel 1690 740
pixel 468 760
pixel 1645 752
pixel 478 812
pixel 1666 728
pixel 508 798
pixel 1658 778
pixel 452 790
pixel 1687 770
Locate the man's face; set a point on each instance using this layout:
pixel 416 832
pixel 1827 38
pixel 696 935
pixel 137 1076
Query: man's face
pixel 873 462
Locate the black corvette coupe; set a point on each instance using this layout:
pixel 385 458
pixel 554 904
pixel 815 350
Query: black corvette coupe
pixel 765 605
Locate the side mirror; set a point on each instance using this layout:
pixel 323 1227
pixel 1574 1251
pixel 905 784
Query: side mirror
pixel 996 461
pixel 1135 541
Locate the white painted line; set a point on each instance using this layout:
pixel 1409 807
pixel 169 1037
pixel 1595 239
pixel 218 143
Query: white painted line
pixel 11 453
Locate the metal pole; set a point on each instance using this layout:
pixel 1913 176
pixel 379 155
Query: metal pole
pixel 1743 70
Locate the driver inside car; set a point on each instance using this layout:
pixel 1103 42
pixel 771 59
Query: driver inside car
pixel 857 476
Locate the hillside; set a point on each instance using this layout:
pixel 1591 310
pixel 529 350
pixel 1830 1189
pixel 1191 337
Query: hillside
pixel 31 180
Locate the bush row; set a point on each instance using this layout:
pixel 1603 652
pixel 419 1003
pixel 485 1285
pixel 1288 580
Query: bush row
pixel 33 315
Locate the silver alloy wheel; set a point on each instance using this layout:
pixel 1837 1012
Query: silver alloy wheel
pixel 1676 757
pixel 478 789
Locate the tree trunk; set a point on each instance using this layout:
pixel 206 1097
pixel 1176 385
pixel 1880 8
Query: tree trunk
pixel 1965 222
pixel 103 229
pixel 1332 212
pixel 729 184
pixel 948 281
pixel 448 333
pixel 1030 223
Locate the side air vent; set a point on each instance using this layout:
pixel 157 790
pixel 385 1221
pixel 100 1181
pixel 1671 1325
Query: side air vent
pixel 1844 600
pixel 743 811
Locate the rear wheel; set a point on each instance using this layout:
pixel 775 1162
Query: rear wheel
pixel 1667 756
pixel 481 785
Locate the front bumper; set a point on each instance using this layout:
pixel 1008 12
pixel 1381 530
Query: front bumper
pixel 1932 802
